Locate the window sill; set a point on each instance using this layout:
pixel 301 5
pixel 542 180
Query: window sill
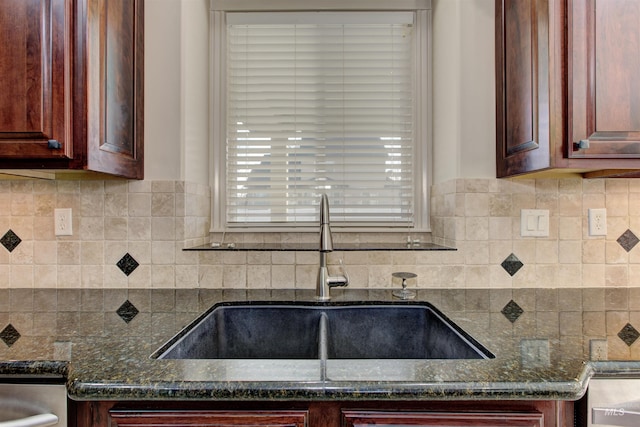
pixel 313 247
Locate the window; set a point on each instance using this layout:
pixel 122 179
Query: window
pixel 310 102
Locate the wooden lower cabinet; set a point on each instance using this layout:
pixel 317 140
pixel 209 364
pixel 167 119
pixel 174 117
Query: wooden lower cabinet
pixel 325 414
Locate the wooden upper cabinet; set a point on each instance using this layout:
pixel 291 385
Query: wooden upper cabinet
pixel 522 86
pixel 114 86
pixel 72 85
pixel 604 83
pixel 35 79
pixel 568 92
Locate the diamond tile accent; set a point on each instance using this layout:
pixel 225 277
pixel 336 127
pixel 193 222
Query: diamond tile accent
pixel 512 264
pixel 628 240
pixel 10 240
pixel 512 311
pixel 9 335
pixel 629 334
pixel 127 264
pixel 127 311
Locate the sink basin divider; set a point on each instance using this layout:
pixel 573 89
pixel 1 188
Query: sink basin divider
pixel 323 351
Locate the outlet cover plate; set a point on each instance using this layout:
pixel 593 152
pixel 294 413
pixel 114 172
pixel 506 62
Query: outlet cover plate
pixel 598 222
pixel 598 349
pixel 63 222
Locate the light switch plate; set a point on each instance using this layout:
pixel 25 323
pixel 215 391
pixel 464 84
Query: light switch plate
pixel 534 223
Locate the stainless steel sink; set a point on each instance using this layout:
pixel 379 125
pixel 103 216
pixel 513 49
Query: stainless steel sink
pixel 322 330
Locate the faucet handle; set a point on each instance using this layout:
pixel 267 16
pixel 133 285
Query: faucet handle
pixel 344 272
pixel 343 280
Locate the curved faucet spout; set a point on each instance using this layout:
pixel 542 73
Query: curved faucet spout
pixel 325 281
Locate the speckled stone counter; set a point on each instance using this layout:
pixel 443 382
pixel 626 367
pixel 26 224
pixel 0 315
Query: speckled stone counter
pixel 33 369
pixel 102 340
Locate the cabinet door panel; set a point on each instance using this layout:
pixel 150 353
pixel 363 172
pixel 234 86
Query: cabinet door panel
pixel 35 79
pixel 442 419
pixel 119 78
pixel 522 59
pixel 604 88
pixel 115 90
pixel 124 418
pixel 617 70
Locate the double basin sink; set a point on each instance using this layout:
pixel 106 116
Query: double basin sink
pixel 315 330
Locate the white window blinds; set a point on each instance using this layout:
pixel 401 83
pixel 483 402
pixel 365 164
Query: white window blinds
pixel 319 103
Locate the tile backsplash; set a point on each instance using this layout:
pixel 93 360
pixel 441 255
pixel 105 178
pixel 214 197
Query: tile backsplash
pixel 116 225
pixel 131 234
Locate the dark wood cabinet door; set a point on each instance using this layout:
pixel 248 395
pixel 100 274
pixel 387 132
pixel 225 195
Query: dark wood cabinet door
pixel 124 418
pixel 443 419
pixel 522 86
pixel 35 79
pixel 114 86
pixel 604 79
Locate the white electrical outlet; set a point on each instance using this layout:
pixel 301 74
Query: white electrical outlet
pixel 597 222
pixel 63 222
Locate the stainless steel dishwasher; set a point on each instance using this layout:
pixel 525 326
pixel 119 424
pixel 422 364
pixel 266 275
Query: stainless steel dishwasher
pixel 32 402
pixel 613 402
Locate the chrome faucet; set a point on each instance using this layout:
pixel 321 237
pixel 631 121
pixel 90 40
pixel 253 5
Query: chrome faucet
pixel 326 281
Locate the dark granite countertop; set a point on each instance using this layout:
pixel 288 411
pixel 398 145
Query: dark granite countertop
pixel 541 339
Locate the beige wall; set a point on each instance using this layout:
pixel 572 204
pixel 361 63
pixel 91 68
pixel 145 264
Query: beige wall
pixel 464 89
pixel 195 93
pixel 162 115
pixel 176 85
pixel 176 90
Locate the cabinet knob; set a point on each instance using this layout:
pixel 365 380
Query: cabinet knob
pixel 54 144
pixel 582 144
